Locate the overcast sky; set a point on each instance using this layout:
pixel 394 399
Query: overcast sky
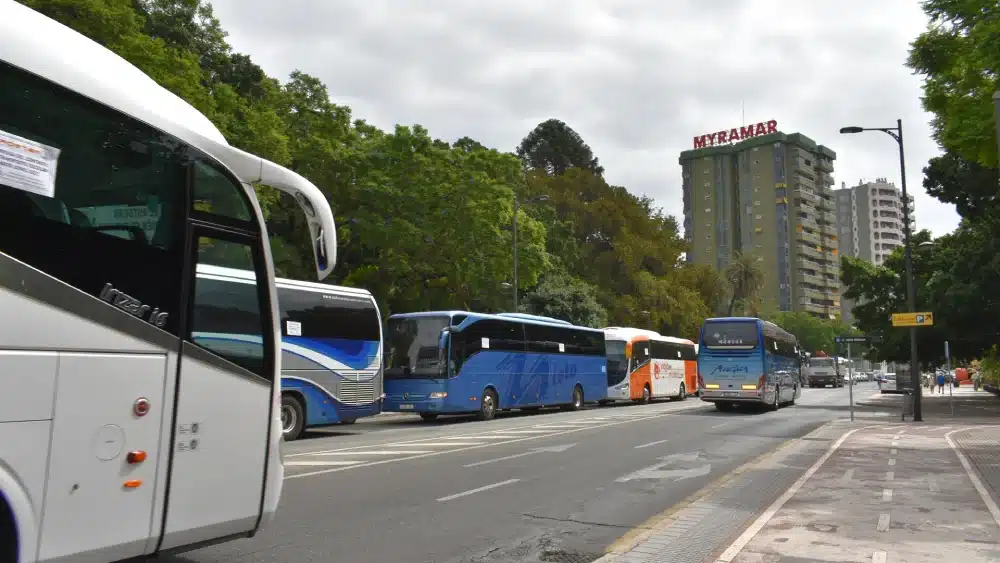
pixel 638 79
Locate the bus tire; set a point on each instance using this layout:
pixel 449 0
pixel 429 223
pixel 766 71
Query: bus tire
pixel 647 395
pixel 777 399
pixel 488 405
pixel 293 417
pixel 8 533
pixel 347 421
pixel 429 416
pixel 577 403
pixel 682 393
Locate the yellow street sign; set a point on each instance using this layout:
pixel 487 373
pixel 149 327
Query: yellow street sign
pixel 913 319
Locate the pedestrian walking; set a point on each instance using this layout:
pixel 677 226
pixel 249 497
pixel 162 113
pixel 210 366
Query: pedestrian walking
pixel 940 382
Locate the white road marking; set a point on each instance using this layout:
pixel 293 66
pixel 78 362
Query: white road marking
pixel 892 461
pixel 846 477
pixel 976 482
pixel 483 437
pixel 554 426
pixel 719 425
pixel 550 449
pixel 890 475
pixel 880 556
pixel 886 495
pixel 893 451
pixel 515 432
pixel 895 443
pixel 652 444
pixel 741 542
pixel 479 490
pixel 433 444
pixel 379 452
pixel 659 413
pixel 933 486
pixel 883 522
pixel 318 463
pixel 657 471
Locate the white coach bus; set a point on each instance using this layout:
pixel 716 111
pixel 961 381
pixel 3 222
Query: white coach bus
pixel 119 435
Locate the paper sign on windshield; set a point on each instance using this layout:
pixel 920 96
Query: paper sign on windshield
pixel 27 165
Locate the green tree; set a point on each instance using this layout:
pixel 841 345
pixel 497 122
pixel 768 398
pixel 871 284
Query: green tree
pixel 813 333
pixel 746 278
pixel 554 147
pixel 562 296
pixel 960 62
pixel 973 188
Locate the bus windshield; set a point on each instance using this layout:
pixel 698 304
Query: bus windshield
pixel 617 362
pixel 412 348
pixel 730 335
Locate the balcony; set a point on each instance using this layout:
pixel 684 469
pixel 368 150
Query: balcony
pixel 808 238
pixel 810 252
pixel 824 165
pixel 828 230
pixel 806 194
pixel 801 277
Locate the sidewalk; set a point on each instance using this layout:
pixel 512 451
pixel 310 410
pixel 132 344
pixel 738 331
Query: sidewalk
pixel 895 493
pixel 968 403
pixel 885 493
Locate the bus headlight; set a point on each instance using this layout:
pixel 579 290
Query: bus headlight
pixel 438 395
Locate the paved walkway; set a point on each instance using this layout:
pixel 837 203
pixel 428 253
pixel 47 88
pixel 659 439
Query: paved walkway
pixel 884 493
pixel 896 493
pixel 936 406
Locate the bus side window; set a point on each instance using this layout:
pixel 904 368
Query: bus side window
pixel 214 192
pixel 227 318
pixel 115 214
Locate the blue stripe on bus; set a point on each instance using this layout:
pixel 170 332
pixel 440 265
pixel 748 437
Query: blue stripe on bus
pixel 355 354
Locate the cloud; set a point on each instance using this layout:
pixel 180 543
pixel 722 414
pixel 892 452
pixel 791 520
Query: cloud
pixel 638 79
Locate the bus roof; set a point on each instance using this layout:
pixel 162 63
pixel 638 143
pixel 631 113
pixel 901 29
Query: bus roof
pixel 51 50
pixel 629 334
pixel 529 319
pixel 762 322
pixel 249 277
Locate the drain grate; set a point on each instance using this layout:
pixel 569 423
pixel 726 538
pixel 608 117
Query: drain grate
pixel 560 556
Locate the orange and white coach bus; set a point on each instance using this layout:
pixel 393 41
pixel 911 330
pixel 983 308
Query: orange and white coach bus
pixel 645 365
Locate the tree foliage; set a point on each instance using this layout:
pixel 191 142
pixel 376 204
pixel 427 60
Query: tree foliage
pixel 554 147
pixel 745 277
pixel 815 335
pixel 422 223
pixel 959 59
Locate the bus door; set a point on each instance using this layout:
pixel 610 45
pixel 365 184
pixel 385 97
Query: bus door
pixel 225 392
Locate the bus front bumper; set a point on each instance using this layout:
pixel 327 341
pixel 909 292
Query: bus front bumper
pixel 735 395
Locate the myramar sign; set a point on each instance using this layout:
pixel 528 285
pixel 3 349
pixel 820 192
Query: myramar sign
pixel 736 134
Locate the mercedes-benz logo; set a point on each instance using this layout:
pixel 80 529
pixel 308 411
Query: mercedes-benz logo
pixel 406 395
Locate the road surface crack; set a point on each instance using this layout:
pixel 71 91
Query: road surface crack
pixel 582 522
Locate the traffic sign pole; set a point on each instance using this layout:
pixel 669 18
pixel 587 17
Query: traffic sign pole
pixel 850 375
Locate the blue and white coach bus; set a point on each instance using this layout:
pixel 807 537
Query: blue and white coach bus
pixel 331 345
pixel 453 362
pixel 744 360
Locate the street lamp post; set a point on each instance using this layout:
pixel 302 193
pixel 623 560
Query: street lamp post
pixel 911 290
pixel 517 205
pixel 996 104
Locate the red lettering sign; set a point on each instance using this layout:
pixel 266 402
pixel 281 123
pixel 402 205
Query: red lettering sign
pixel 734 135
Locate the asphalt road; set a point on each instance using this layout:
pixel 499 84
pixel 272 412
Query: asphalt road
pixel 552 486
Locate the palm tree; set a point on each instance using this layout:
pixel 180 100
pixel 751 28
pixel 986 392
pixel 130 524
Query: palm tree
pixel 745 277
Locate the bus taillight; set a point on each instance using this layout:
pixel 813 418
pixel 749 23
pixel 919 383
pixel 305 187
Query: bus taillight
pixel 761 381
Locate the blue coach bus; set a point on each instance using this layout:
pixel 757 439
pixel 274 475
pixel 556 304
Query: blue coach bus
pixel 452 362
pixel 748 361
pixel 331 344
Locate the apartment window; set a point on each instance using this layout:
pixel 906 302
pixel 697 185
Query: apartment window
pixel 708 196
pixel 708 210
pixel 755 190
pixel 759 217
pixel 756 202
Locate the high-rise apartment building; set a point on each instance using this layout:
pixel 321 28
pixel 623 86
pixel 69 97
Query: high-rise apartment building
pixel 767 195
pixel 870 221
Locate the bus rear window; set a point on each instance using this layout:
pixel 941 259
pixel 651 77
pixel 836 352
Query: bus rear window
pixel 730 335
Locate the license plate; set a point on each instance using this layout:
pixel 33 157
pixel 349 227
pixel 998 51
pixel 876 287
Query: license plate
pixel 730 394
pixel 406 407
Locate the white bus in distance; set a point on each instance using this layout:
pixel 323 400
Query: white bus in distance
pixel 119 435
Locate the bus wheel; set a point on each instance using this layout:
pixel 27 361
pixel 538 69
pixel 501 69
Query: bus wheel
pixel 292 417
pixel 429 416
pixel 8 533
pixel 682 393
pixel 577 403
pixel 348 421
pixel 488 406
pixel 777 399
pixel 647 396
